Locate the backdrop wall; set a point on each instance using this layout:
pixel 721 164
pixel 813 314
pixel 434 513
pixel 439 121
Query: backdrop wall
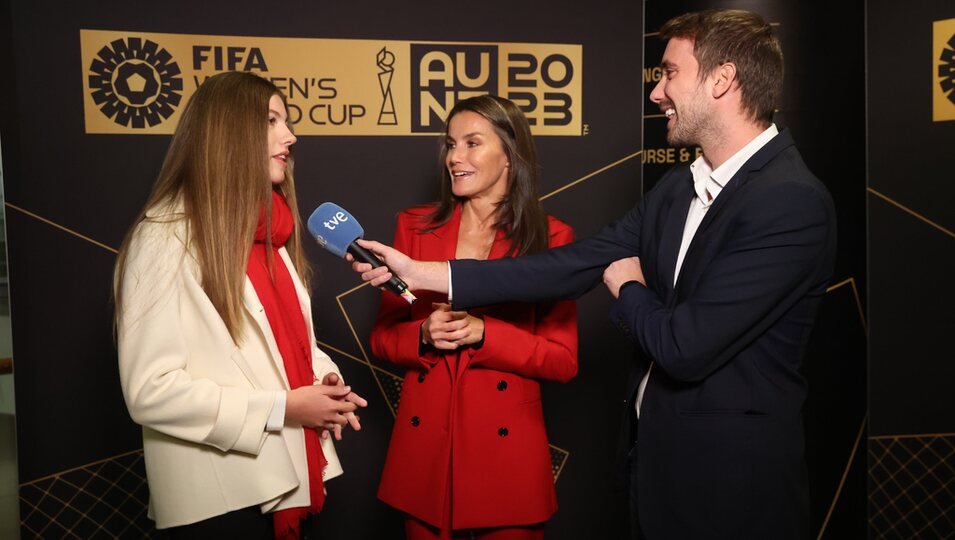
pixel 75 180
pixel 911 138
pixel 73 189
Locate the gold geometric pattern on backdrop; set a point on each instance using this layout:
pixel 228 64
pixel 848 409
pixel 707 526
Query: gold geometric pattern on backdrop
pixel 391 386
pixel 105 499
pixel 912 477
pixel 911 212
pixel 912 486
pixel 558 457
pixel 854 452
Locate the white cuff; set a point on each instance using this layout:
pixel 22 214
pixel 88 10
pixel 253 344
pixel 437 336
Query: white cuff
pixel 450 289
pixel 276 419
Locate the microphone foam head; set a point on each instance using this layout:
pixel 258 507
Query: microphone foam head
pixel 334 228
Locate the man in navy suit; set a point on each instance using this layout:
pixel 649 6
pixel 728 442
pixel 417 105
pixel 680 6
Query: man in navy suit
pixel 717 274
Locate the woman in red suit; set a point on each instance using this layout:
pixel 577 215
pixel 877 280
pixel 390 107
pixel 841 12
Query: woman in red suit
pixel 469 454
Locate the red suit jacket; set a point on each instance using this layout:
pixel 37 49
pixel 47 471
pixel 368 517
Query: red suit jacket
pixel 470 424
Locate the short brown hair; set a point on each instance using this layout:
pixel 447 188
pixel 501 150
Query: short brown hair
pixel 740 37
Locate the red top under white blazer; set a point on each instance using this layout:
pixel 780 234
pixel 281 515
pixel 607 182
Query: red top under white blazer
pixel 473 418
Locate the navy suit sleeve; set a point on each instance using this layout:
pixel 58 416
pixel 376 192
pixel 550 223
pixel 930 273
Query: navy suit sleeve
pixel 779 252
pixel 562 273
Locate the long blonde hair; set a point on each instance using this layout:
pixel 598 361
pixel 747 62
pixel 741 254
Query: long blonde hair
pixel 217 166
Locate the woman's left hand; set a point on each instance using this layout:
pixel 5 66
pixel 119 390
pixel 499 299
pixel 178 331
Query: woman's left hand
pixel 450 330
pixel 332 379
pixel 475 332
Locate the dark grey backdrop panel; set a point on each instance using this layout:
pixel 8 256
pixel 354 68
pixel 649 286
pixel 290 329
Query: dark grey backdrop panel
pixel 911 163
pixel 911 262
pixel 823 106
pixel 80 467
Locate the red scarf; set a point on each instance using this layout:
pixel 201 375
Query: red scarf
pixel 284 312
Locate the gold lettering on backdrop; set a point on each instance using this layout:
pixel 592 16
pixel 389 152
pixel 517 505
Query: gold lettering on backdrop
pixel 659 155
pixel 652 74
pixel 483 71
pixel 137 82
pixel 670 156
pixel 544 80
pixel 430 104
pixel 444 71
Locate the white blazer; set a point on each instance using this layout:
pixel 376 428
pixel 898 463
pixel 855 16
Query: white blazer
pixel 202 400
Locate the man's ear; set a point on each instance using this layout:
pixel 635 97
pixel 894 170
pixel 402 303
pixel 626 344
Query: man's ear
pixel 725 76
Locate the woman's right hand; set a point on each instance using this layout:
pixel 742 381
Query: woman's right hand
pixel 445 329
pixel 320 406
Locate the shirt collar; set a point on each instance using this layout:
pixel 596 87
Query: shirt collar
pixel 724 173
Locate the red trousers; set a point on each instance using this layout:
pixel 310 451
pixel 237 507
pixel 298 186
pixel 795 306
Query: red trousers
pixel 416 529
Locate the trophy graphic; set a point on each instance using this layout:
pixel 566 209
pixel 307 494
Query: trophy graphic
pixel 386 61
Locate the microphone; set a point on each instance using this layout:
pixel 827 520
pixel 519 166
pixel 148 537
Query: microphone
pixel 337 231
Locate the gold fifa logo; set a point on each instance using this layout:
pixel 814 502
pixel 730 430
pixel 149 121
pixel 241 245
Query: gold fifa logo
pixel 943 70
pixel 135 82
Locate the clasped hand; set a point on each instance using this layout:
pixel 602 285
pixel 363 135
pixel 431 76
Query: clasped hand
pixel 327 406
pixel 622 271
pixel 448 330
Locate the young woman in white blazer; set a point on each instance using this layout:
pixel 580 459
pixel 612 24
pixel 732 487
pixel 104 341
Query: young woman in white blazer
pixel 217 355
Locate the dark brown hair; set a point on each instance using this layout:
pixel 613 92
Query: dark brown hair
pixel 740 37
pixel 217 166
pixel 520 213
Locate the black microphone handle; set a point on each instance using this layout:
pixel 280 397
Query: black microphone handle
pixel 395 284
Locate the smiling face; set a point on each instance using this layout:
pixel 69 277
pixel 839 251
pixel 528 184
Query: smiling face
pixel 682 96
pixel 476 160
pixel 281 139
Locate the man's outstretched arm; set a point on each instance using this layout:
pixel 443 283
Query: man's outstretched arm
pixel 566 272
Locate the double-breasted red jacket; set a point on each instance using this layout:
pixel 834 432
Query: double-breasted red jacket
pixel 470 424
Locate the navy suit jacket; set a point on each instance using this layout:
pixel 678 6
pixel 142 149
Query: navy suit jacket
pixel 720 451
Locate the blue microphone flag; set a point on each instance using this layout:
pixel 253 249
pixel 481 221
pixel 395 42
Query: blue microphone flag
pixel 334 228
pixel 336 231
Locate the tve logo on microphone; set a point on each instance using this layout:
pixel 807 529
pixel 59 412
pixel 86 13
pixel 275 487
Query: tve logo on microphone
pixel 334 228
pixel 335 221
